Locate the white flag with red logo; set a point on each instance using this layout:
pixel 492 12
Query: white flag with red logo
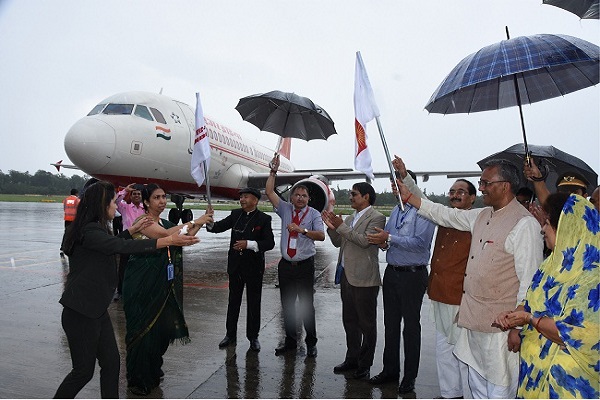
pixel 201 152
pixel 365 110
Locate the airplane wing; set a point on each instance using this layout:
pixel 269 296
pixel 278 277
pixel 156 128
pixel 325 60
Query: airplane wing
pixel 259 180
pixel 59 164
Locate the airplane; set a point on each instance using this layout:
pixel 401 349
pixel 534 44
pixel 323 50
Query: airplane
pixel 141 137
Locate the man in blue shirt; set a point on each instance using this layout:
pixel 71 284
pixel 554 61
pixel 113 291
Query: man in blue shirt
pixel 407 240
pixel 301 226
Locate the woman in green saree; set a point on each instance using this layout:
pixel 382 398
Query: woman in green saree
pixel 153 297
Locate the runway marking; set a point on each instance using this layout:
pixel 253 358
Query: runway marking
pixel 17 266
pixel 226 284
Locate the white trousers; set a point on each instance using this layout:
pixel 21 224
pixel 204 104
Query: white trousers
pixel 483 389
pixel 452 373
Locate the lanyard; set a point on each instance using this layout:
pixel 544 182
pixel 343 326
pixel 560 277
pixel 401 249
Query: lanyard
pixel 301 219
pixel 404 214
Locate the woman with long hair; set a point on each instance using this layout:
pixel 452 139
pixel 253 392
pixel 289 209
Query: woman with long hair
pixel 561 331
pixel 153 296
pixel 90 286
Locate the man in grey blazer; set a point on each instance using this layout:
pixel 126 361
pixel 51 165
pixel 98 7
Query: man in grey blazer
pixel 358 272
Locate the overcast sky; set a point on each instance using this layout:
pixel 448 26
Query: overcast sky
pixel 60 58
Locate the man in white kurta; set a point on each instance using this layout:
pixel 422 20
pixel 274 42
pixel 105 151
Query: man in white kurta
pixel 506 249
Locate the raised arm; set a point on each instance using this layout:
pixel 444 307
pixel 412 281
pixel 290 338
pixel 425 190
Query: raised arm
pixel 270 185
pixel 533 174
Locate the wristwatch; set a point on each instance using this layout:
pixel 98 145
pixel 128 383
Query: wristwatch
pixel 305 231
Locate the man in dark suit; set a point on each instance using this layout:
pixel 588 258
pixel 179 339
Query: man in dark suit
pixel 251 236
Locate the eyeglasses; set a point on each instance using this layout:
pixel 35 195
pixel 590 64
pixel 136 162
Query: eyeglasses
pixel 302 196
pixel 485 184
pixel 458 192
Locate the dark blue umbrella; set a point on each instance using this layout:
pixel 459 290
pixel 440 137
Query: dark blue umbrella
pixel 545 66
pixel 522 70
pixel 584 9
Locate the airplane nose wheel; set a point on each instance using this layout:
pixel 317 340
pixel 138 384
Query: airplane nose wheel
pixel 187 215
pixel 175 214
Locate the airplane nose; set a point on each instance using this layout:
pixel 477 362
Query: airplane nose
pixel 90 144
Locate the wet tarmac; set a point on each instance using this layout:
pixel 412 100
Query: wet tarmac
pixel 35 356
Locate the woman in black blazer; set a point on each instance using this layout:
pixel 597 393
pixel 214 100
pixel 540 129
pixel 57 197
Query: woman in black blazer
pixel 91 284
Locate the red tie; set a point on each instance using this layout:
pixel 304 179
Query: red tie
pixel 295 219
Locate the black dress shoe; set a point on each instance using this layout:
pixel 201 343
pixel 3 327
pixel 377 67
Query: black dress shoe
pixel 345 366
pixel 285 348
pixel 407 386
pixel 361 373
pixel 311 351
pixel 383 378
pixel 139 391
pixel 226 341
pixel 254 345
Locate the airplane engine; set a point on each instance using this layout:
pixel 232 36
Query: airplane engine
pixel 321 196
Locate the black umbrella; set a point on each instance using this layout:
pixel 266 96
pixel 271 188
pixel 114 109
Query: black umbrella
pixel 515 71
pixel 551 161
pixel 584 9
pixel 286 115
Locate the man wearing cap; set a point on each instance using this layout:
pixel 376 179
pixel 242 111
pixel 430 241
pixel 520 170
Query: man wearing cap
pixel 251 236
pixel 301 226
pixel 569 182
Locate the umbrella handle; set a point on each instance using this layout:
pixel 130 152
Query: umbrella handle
pixel 544 170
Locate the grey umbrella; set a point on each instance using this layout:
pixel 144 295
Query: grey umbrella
pixel 551 161
pixel 286 115
pixel 584 9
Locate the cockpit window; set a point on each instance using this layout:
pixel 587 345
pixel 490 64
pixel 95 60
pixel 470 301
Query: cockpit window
pixel 158 115
pixel 118 109
pixel 97 109
pixel 142 111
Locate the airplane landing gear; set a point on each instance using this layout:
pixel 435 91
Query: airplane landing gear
pixel 175 214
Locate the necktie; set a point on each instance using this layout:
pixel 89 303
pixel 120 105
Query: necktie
pixel 293 235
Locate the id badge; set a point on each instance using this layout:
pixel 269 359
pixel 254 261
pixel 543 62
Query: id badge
pixel 293 243
pixel 170 272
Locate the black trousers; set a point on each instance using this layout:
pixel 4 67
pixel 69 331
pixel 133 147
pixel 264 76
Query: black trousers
pixel 297 281
pixel 90 339
pixel 403 293
pixel 253 282
pixel 359 315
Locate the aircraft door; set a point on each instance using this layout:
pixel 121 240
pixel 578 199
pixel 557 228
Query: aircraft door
pixel 190 121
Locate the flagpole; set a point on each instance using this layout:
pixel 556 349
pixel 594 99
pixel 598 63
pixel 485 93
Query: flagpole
pixel 389 159
pixel 207 184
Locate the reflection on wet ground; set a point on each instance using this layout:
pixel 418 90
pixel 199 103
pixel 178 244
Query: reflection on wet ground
pixel 35 355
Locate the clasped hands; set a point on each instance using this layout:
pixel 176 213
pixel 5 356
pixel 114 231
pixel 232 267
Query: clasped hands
pixel 378 238
pixel 511 319
pixel 331 220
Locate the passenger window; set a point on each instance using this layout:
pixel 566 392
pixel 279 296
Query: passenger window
pixel 158 115
pixel 97 109
pixel 118 109
pixel 142 111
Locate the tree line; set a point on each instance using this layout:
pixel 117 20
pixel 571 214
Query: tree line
pixel 41 183
pixel 47 183
pixel 342 197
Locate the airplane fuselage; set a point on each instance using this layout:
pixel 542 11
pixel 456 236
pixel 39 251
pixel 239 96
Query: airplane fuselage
pixel 144 137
